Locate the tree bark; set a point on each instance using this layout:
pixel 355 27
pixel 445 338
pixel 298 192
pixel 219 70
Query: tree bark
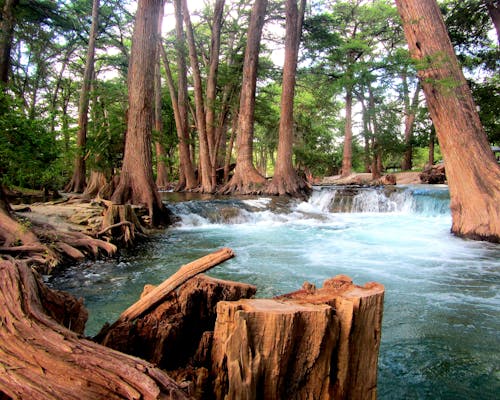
pixel 205 167
pixel 286 181
pixel 6 33
pixel 347 154
pixel 182 275
pixel 246 178
pixel 317 344
pixel 472 171
pixel 213 140
pixel 169 334
pixel 96 182
pixel 410 110
pixel 494 11
pixel 187 179
pixel 161 154
pixel 137 185
pixel 77 183
pixel 42 359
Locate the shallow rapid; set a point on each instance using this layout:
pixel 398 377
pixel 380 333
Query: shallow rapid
pixel 440 337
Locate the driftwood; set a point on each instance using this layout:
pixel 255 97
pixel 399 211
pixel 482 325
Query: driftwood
pixel 311 344
pixel 41 359
pixel 182 275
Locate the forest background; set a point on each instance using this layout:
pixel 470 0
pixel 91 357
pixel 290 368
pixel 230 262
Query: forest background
pixel 354 73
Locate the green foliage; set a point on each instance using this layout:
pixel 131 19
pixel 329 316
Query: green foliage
pixel 29 155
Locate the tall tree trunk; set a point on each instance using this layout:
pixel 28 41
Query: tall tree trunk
pixel 213 140
pixel 137 185
pixel 285 179
pixel 347 154
pixel 77 183
pixel 6 32
pixel 229 150
pixel 246 178
pixel 187 179
pixel 472 171
pixel 494 11
pixel 432 141
pixel 410 114
pixel 161 168
pixel 376 148
pixel 205 168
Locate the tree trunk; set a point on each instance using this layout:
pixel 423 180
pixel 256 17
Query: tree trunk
pixel 161 154
pixel 347 154
pixel 137 185
pixel 205 167
pixel 42 359
pixel 246 178
pixel 96 182
pixel 432 140
pixel 494 11
pixel 311 344
pixel 410 112
pixel 213 141
pixel 286 181
pixel 472 171
pixel 187 179
pixel 6 33
pixel 77 183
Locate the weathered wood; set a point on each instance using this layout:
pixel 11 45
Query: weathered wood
pixel 182 275
pixel 170 333
pixel 41 359
pixel 315 344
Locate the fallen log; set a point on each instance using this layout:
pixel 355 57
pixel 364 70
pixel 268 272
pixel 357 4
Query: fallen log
pixel 314 344
pixel 182 275
pixel 41 359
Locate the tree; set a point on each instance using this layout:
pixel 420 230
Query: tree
pixel 246 178
pixel 161 167
pixel 286 179
pixel 137 185
pixel 472 171
pixel 77 183
pixel 6 32
pixel 493 7
pixel 205 168
pixel 187 178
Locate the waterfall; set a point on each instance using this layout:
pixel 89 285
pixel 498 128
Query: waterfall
pixel 324 203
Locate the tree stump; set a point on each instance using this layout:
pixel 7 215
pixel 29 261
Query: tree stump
pixel 310 344
pixel 41 359
pixel 169 335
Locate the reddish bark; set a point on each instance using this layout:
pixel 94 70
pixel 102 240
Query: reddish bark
pixel 285 179
pixel 187 179
pixel 246 178
pixel 137 185
pixel 472 171
pixel 77 183
pixel 42 359
pixel 161 167
pixel 205 167
pixel 347 153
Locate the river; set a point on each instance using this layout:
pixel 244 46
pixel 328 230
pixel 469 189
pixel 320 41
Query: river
pixel 440 336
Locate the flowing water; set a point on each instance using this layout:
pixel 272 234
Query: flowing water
pixel 440 336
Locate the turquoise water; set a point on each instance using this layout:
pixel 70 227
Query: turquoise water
pixel 440 337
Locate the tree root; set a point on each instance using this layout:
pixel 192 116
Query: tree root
pixel 43 359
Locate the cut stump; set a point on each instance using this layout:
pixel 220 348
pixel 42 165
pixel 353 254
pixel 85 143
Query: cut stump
pixel 310 344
